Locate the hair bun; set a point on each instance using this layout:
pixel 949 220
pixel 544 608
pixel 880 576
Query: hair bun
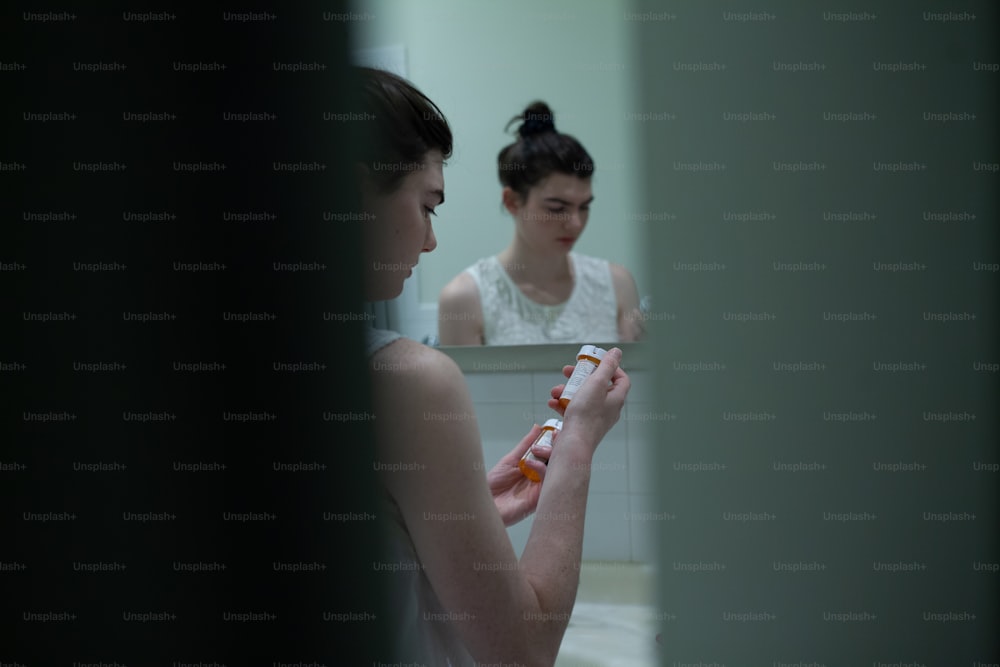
pixel 537 119
pixel 539 150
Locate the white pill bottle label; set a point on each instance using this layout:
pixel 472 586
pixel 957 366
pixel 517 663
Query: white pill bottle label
pixel 587 360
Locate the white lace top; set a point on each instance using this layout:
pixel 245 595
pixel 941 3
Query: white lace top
pixel 511 318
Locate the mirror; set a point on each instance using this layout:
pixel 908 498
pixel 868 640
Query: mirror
pixel 482 64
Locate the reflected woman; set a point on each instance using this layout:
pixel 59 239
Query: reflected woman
pixel 537 290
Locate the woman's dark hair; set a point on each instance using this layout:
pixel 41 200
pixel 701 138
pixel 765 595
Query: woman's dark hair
pixel 398 125
pixel 539 151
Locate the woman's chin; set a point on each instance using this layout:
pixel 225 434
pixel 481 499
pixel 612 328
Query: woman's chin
pixel 387 284
pixel 382 290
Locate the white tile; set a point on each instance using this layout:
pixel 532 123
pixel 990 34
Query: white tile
pixel 642 443
pixel 499 387
pixel 646 412
pixel 606 527
pixel 641 389
pixel 505 422
pixel 609 471
pixel 646 517
pixel 542 383
pixel 618 433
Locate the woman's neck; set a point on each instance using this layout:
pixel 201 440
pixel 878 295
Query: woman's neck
pixel 525 265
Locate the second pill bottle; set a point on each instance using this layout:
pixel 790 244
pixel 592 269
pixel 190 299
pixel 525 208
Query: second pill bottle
pixel 545 438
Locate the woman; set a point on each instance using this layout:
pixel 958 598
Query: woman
pixel 462 597
pixel 537 290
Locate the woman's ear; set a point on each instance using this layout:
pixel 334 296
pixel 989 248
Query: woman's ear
pixel 511 200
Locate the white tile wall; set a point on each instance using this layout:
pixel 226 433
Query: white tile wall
pixel 500 387
pixel 618 525
pixel 504 423
pixel 639 422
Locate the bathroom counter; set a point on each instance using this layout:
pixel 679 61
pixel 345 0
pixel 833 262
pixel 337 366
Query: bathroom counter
pixel 614 619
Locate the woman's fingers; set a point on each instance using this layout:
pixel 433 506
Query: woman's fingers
pixel 542 451
pixel 526 441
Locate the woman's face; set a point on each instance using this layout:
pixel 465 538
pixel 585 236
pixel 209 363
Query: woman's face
pixel 401 228
pixel 554 214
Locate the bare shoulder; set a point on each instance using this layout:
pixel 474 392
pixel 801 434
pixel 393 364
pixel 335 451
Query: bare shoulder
pixel 461 292
pixel 413 385
pixel 460 312
pixel 405 361
pixel 410 380
pixel 621 277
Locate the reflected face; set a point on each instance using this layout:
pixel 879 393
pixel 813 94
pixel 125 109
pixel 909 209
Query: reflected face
pixel 555 213
pixel 401 229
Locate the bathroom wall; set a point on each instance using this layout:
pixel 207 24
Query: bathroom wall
pixel 827 281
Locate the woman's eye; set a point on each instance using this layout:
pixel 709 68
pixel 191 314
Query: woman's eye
pixel 429 211
pixel 556 210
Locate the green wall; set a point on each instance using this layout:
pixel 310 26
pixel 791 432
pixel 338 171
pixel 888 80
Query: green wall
pixel 819 509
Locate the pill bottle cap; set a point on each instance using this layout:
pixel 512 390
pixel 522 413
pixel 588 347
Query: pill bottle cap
pixel 592 351
pixel 553 423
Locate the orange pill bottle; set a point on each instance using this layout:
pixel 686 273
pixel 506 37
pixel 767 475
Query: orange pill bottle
pixel 545 437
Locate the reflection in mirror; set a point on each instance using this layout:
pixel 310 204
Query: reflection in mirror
pixel 530 250
pixel 537 290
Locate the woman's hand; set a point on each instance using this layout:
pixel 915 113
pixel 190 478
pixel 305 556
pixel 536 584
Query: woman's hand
pixel 515 495
pixel 596 408
pixel 557 392
pixel 598 402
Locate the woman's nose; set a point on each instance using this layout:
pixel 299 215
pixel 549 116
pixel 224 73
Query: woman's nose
pixel 573 221
pixel 430 241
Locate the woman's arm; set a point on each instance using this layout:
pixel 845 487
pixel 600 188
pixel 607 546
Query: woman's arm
pixel 460 312
pixel 627 295
pixel 505 610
